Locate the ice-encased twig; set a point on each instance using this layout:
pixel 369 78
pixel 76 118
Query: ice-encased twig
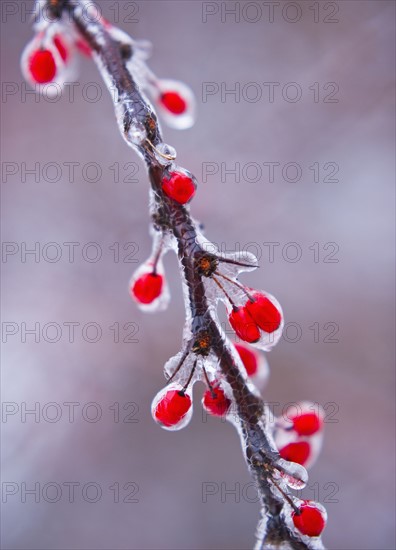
pixel 121 64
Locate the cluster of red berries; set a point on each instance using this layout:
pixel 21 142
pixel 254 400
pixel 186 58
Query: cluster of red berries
pixel 258 315
pixel 299 436
pixel 172 407
pixel 310 519
pixel 46 58
pixel 49 56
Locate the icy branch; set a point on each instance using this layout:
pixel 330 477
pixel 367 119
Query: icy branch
pixel 208 276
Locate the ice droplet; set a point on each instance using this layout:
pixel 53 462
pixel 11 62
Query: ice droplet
pixel 137 133
pixel 165 154
pixel 295 475
pixel 293 482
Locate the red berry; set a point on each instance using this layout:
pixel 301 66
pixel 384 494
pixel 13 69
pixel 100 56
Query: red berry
pixel 264 313
pixel 61 47
pixel 249 359
pixel 296 452
pixel 42 66
pixel 307 423
pixel 216 402
pixel 310 521
pixel 173 102
pixel 172 408
pixel 243 324
pixel 147 287
pixel 179 187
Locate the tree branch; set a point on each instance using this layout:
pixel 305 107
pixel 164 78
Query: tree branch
pixel 115 53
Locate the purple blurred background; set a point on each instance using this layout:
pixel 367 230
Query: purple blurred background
pixel 352 376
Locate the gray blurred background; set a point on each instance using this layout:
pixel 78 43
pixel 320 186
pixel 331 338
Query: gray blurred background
pixel 342 290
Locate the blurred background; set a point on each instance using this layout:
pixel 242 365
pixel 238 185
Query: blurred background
pixel 103 474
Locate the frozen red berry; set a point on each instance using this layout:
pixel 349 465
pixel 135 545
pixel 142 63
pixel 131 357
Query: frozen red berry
pixel 243 324
pixel 147 287
pixel 172 408
pixel 310 521
pixel 307 423
pixel 264 312
pixel 249 359
pixel 61 47
pixel 42 66
pixel 173 102
pixel 296 452
pixel 176 102
pixel 179 187
pixel 216 402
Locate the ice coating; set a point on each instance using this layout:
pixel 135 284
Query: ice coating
pixel 239 298
pixel 189 366
pixel 156 88
pixel 229 266
pixel 222 284
pixel 285 435
pixel 229 261
pixel 181 121
pixel 160 303
pixel 154 264
pixel 131 128
pixel 260 378
pixel 137 133
pixel 313 543
pixel 161 396
pixel 180 367
pixel 140 51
